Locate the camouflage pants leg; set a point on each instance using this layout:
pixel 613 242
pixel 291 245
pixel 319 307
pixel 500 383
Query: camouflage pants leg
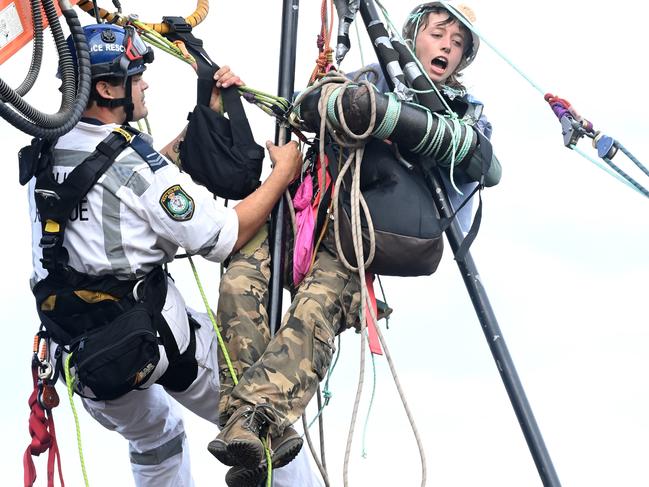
pixel 242 314
pixel 297 358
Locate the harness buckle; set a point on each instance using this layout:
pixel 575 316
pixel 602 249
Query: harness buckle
pixel 49 241
pixel 177 24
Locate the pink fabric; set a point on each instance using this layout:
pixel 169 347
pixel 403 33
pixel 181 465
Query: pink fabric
pixel 303 250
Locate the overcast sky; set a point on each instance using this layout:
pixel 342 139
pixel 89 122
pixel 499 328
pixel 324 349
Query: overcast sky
pixel 562 252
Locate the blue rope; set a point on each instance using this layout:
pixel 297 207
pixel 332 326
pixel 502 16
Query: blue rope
pixel 632 157
pixel 610 171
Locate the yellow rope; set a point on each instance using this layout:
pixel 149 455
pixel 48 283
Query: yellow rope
pixel 233 374
pixel 70 384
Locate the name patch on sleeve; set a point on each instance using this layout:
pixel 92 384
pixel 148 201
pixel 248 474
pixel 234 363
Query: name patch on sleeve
pixel 177 203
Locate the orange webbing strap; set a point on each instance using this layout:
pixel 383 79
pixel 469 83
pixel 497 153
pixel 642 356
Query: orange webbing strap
pixel 202 8
pixel 324 63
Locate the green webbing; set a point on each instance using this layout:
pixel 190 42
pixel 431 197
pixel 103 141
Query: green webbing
pixel 70 385
pixel 390 119
pixel 226 355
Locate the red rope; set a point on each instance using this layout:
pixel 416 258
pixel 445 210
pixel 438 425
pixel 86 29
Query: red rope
pixel 324 63
pixel 41 429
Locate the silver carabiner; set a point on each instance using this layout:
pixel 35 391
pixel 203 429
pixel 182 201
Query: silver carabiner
pixel 45 371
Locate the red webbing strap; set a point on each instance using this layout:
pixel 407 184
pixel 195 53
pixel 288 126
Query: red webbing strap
pixel 373 336
pixel 41 429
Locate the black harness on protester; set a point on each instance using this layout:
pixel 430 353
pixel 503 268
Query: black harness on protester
pixel 112 327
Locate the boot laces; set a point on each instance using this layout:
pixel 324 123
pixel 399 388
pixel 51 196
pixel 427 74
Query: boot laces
pixel 260 418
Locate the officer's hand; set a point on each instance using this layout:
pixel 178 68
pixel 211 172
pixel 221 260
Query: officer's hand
pixel 223 78
pixel 287 159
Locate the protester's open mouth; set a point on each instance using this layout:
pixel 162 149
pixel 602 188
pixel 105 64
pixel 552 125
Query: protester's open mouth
pixel 440 62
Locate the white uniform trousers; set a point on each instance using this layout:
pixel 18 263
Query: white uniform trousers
pixel 152 423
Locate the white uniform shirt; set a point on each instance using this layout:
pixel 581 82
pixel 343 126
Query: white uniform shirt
pixel 133 219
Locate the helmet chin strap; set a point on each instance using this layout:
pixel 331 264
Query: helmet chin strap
pixel 126 102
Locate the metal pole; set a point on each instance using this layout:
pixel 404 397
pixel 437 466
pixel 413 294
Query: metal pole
pixel 286 85
pixel 282 135
pixel 487 318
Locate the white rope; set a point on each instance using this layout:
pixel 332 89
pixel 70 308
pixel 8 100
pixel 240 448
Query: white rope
pixel 355 143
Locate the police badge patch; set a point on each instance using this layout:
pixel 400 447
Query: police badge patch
pixel 178 204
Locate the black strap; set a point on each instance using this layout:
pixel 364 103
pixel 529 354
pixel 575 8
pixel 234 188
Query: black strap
pixel 486 153
pixel 56 201
pixel 241 131
pixel 180 30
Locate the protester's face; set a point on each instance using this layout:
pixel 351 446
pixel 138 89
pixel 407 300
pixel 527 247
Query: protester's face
pixel 440 46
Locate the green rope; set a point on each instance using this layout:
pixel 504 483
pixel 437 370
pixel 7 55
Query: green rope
pixel 70 385
pixel 326 391
pixel 390 119
pixel 369 408
pixel 429 125
pixel 233 374
pixel 224 349
pixel 331 107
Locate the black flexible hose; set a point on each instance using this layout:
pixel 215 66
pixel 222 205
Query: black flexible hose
pixel 37 50
pixel 33 122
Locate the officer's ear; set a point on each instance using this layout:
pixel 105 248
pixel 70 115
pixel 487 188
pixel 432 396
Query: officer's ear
pixel 108 90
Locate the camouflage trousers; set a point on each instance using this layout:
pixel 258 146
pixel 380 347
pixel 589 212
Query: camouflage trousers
pixel 285 370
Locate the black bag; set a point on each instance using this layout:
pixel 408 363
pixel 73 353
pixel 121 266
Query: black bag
pixel 220 153
pixel 117 358
pixel 407 228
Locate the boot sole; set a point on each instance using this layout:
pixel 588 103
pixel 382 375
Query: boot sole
pixel 220 451
pixel 246 454
pixel 286 453
pixel 245 477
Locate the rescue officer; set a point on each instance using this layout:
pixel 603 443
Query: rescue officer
pixel 132 221
pixel 278 376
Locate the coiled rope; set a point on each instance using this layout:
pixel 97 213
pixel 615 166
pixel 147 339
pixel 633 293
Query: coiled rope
pixel 333 85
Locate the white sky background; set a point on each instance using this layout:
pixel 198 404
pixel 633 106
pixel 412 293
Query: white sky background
pixel 562 252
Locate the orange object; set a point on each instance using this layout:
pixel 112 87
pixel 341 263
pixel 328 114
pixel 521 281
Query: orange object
pixel 16 27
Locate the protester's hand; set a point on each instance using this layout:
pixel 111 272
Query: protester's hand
pixel 223 78
pixel 287 159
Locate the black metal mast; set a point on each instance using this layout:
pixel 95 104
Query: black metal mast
pixel 486 316
pixel 286 84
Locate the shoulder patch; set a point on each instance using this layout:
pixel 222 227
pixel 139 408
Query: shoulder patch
pixel 177 203
pixel 148 153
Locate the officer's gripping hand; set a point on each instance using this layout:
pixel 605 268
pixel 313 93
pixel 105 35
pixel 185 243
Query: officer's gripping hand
pixel 287 159
pixel 223 78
